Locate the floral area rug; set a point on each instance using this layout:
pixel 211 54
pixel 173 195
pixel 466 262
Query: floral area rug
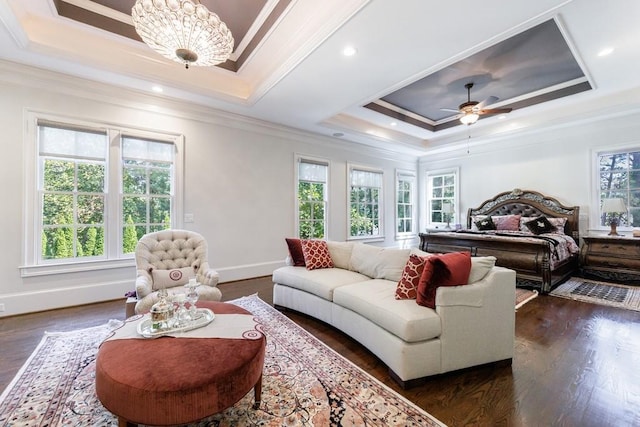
pixel 305 383
pixel 595 292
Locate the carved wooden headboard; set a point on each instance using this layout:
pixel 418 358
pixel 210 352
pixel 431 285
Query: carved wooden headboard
pixel 529 204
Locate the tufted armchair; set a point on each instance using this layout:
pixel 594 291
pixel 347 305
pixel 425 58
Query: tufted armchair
pixel 168 259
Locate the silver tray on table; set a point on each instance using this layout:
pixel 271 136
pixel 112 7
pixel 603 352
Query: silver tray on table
pixel 204 317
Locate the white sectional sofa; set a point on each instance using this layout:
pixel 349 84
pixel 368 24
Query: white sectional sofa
pixel 471 324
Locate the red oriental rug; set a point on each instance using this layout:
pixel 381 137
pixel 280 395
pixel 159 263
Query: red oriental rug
pixel 304 383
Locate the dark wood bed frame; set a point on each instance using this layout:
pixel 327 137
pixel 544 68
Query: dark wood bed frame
pixel 530 260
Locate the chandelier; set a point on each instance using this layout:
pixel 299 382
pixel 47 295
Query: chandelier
pixel 183 31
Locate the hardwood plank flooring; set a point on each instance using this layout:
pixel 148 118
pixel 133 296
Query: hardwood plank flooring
pixel 575 364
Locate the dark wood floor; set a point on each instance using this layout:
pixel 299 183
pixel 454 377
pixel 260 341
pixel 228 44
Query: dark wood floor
pixel 575 364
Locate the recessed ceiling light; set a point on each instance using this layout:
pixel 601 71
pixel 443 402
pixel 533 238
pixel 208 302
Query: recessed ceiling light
pixel 606 51
pixel 157 89
pixel 349 51
pixel 502 117
pixel 394 123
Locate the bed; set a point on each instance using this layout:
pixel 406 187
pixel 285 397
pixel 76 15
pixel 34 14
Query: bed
pixel 542 248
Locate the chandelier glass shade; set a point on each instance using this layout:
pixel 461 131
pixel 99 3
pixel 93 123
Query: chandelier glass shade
pixel 183 31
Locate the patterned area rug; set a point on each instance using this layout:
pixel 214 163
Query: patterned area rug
pixel 615 295
pixel 305 383
pixel 523 296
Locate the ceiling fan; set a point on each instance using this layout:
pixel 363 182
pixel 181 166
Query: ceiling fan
pixel 471 111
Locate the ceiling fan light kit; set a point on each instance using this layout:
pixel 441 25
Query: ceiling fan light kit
pixel 471 111
pixel 183 31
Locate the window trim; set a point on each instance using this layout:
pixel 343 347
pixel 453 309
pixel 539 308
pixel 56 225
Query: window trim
pixel 456 214
pixel 594 193
pixel 414 192
pixel 31 264
pixel 381 236
pixel 299 158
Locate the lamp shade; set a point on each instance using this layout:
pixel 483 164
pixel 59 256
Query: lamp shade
pixel 613 206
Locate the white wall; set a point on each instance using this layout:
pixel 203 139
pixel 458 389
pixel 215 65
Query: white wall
pixel 556 161
pixel 239 183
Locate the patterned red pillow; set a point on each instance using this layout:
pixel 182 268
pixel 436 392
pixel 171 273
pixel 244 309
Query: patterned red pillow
pixel 295 251
pixel 450 269
pixel 408 285
pixel 316 254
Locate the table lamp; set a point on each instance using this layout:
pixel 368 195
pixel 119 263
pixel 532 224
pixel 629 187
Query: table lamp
pixel 613 207
pixel 447 210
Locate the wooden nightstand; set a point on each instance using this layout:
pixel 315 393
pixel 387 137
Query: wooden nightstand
pixel 614 258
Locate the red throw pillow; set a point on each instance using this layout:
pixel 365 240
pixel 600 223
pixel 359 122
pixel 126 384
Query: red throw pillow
pixel 408 285
pixel 295 251
pixel 316 254
pixel 450 269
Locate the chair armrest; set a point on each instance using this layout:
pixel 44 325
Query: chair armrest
pixel 144 284
pixel 207 275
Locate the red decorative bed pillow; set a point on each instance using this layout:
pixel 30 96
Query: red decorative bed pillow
pixel 507 222
pixel 408 285
pixel 295 251
pixel 450 269
pixel 316 254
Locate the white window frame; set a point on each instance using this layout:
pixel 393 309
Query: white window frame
pixel 312 160
pixel 595 205
pixel 350 169
pixel 32 265
pixel 411 177
pixel 429 176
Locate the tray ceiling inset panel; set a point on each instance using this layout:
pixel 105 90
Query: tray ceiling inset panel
pixel 534 66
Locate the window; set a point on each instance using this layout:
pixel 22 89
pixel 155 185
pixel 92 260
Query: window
pixel 365 208
pixel 312 198
pixel 147 188
pixel 94 191
pixel 619 177
pixel 405 204
pixel 442 197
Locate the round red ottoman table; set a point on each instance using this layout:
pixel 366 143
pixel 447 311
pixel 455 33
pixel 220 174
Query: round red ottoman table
pixel 167 381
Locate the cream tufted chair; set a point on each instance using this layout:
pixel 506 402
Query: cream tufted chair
pixel 168 259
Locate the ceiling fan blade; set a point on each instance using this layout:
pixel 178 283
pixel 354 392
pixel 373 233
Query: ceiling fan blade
pixel 495 111
pixel 450 109
pixel 490 100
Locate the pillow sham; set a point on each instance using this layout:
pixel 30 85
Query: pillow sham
pixel 540 225
pixel 451 269
pixel 558 223
pixel 507 222
pixel 316 254
pixel 485 224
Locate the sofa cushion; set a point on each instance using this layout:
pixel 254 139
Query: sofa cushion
pixel 316 254
pixel 341 254
pixel 480 267
pixel 408 285
pixel 451 269
pixel 375 300
pixel 295 251
pixel 379 263
pixel 321 282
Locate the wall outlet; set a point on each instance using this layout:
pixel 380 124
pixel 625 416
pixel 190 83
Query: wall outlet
pixel 188 217
pixel 1 307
